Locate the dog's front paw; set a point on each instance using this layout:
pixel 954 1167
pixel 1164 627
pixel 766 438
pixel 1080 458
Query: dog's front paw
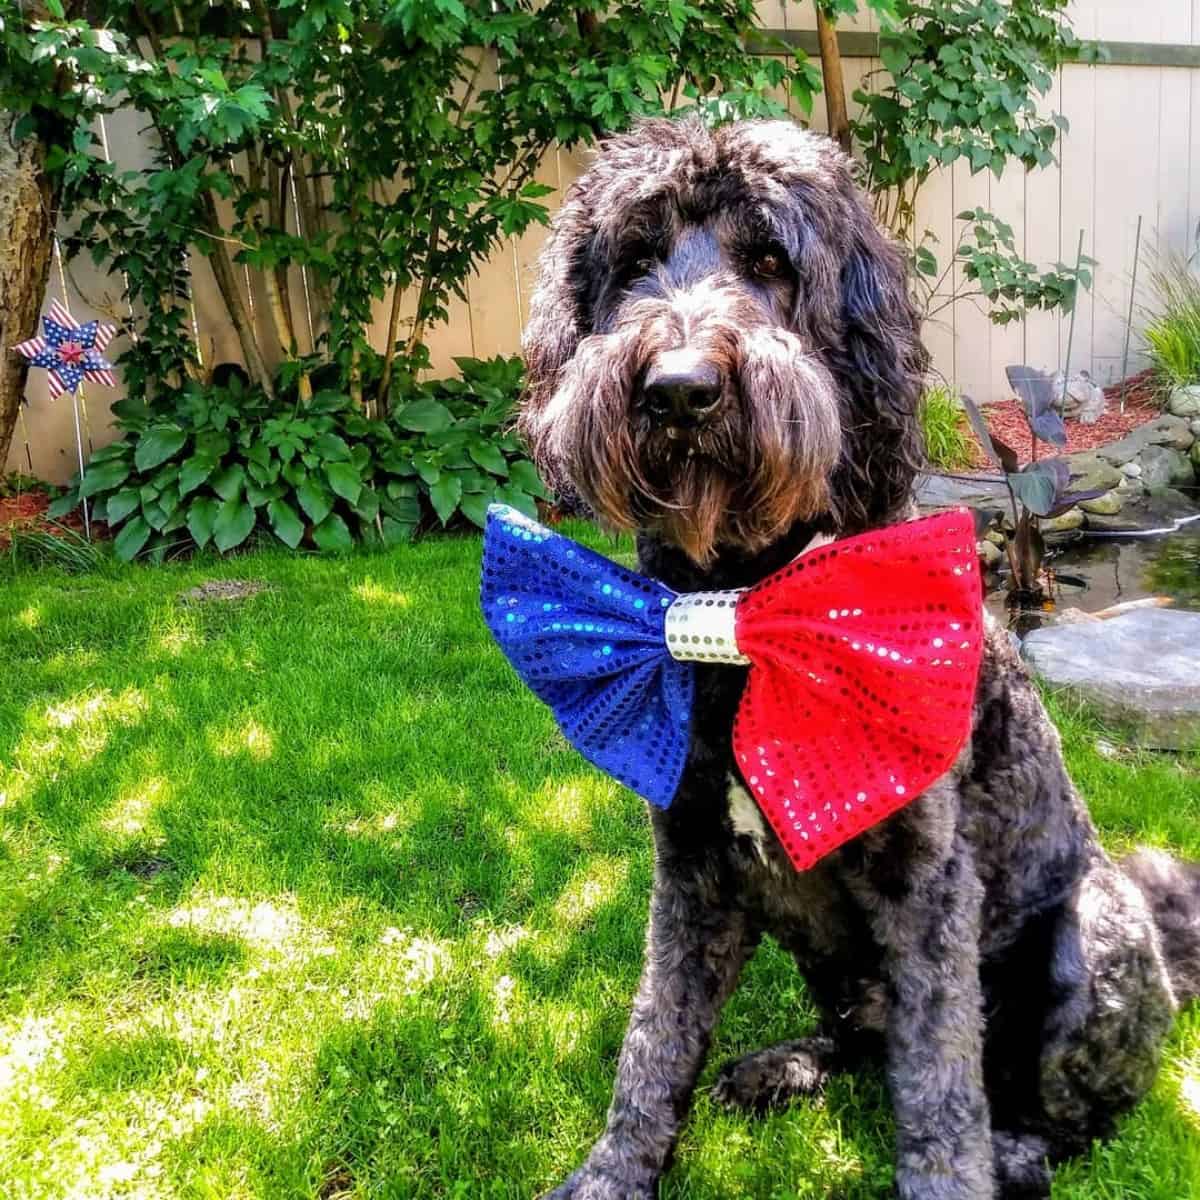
pixel 769 1079
pixel 592 1183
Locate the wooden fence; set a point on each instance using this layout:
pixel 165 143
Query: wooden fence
pixel 1133 149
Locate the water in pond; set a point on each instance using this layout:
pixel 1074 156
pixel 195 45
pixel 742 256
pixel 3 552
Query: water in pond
pixel 1094 573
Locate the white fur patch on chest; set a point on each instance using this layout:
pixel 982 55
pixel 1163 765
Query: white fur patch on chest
pixel 745 817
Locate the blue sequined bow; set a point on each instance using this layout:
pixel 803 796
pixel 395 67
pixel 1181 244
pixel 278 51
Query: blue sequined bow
pixel 586 636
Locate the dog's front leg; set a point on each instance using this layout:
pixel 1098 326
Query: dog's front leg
pixel 920 883
pixel 695 949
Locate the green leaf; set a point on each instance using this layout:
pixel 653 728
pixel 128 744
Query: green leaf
pixel 202 515
pixel 66 503
pixel 133 536
pixel 213 444
pixel 121 504
pixel 396 532
pixel 112 450
pixel 523 474
pixel 315 499
pixel 518 499
pixel 424 416
pixel 194 472
pixel 445 495
pixel 429 472
pixel 235 519
pixel 156 445
pixel 895 60
pixel 328 402
pixel 474 506
pixel 103 477
pixel 344 480
pixel 406 509
pixel 256 495
pixel 488 457
pixel 228 482
pixel 331 448
pixel 288 527
pixel 294 473
pixel 156 516
pixel 332 534
pixel 367 504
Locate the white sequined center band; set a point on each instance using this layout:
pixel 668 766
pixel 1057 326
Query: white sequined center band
pixel 701 627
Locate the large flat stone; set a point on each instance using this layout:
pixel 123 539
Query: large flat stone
pixel 939 491
pixel 1140 670
pixel 1162 431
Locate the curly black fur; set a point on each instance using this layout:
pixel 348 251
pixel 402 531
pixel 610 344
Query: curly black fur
pixel 1015 982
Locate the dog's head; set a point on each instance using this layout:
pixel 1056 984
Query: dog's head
pixel 721 343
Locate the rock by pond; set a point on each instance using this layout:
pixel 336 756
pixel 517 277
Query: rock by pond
pixel 1163 466
pixel 1106 505
pixel 1185 401
pixel 1172 432
pixel 1140 670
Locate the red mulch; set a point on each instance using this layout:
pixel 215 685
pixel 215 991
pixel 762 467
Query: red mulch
pixel 1006 420
pixel 28 511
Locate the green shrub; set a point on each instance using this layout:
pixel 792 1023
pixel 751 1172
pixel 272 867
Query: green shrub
pixel 943 427
pixel 1172 330
pixel 229 461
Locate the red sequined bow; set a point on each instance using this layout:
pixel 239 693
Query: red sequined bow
pixel 865 657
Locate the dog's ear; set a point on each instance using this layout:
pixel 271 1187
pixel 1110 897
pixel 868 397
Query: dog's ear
pixel 880 363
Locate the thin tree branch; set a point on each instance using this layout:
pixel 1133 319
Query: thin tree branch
pixel 833 79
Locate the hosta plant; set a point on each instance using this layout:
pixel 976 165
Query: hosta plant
pixel 227 462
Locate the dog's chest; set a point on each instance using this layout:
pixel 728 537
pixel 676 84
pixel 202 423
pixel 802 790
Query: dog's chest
pixel 806 910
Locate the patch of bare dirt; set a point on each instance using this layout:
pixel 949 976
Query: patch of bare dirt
pixel 222 589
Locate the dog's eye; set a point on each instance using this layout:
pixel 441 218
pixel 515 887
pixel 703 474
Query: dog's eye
pixel 769 265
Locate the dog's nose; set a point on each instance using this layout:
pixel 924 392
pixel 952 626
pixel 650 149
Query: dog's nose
pixel 683 394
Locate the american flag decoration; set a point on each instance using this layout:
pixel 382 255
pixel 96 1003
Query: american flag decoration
pixel 70 352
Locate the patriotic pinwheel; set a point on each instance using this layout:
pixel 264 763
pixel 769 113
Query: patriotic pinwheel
pixel 70 352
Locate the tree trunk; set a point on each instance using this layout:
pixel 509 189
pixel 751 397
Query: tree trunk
pixel 26 243
pixel 834 84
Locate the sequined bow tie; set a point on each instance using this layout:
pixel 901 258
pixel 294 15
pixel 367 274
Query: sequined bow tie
pixel 863 660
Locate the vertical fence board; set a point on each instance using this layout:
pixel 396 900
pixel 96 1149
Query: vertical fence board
pixel 935 218
pixel 1077 202
pixel 1126 151
pixel 1007 201
pixel 972 329
pixel 1045 239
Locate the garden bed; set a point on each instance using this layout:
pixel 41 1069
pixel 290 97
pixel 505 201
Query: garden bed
pixel 27 512
pixel 1007 421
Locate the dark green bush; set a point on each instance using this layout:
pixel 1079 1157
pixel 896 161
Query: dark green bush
pixel 228 461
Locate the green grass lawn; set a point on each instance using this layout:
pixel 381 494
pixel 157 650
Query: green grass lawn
pixel 304 895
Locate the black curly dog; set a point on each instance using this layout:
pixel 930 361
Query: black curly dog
pixel 723 356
